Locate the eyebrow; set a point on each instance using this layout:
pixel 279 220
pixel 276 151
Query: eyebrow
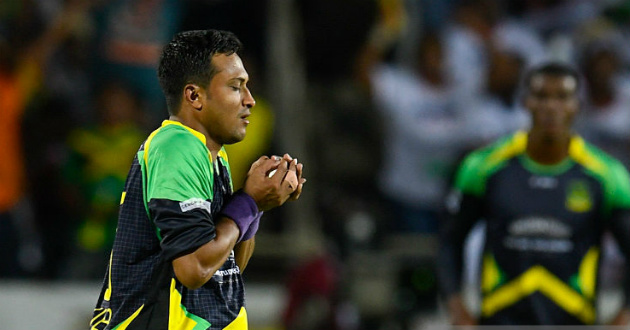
pixel 240 79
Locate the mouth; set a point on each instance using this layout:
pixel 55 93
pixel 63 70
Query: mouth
pixel 244 117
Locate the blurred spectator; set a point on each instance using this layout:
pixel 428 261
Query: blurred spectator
pixel 476 28
pixel 436 13
pixel 22 61
pixel 424 132
pixel 497 108
pixel 549 17
pixel 101 158
pixel 130 35
pixel 605 118
pixel 618 13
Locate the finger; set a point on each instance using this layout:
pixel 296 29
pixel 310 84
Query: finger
pixel 257 163
pixel 299 169
pixel 293 166
pixel 287 157
pixel 281 171
pixel 269 164
pixel 290 188
pixel 260 160
pixel 296 194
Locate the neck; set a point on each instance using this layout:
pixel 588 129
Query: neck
pixel 548 149
pixel 189 121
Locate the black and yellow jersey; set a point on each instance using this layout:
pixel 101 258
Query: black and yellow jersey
pixel 544 226
pixel 172 196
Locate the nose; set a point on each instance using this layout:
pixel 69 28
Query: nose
pixel 552 103
pixel 248 100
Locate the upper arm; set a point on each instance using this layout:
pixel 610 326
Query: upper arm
pixel 179 192
pixel 619 195
pixel 464 204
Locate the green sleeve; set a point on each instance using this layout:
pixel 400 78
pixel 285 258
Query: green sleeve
pixel 469 179
pixel 477 167
pixel 178 166
pixel 620 193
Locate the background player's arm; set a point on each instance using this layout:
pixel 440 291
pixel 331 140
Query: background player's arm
pixel 620 228
pixel 463 211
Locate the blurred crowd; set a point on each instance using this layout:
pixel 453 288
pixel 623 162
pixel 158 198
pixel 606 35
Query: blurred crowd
pixel 400 91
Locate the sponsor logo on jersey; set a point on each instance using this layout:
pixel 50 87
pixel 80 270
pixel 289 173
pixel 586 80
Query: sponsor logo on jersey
pixel 543 182
pixel 540 226
pixel 579 198
pixel 539 234
pixel 195 203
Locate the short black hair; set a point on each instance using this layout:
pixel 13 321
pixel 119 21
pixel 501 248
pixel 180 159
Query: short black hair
pixel 187 59
pixel 556 69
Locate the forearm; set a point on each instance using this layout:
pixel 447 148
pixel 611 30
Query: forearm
pixel 462 214
pixel 449 268
pixel 243 251
pixel 196 268
pixel 620 229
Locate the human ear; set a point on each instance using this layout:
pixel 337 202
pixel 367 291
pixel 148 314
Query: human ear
pixel 192 95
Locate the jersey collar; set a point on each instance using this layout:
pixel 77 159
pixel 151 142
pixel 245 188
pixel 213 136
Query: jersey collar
pixel 195 133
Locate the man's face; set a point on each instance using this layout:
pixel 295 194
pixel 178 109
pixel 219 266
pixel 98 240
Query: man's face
pixel 228 101
pixel 553 103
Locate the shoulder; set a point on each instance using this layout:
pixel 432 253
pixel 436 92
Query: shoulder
pixel 595 159
pixel 497 152
pixel 481 163
pixel 610 171
pixel 173 137
pixel 173 146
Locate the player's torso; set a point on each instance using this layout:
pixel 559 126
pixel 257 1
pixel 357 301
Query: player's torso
pixel 542 217
pixel 139 277
pixel 543 229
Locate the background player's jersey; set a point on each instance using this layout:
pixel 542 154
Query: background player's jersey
pixel 543 228
pixel 172 196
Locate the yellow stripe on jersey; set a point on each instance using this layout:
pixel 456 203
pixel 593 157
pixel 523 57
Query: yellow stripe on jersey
pixel 197 134
pixel 122 198
pixel 588 272
pixel 491 274
pixel 128 321
pixel 223 154
pixel 516 146
pixel 104 315
pixel 164 124
pixel 179 318
pixel 108 292
pixel 537 278
pixel 147 144
pixel 240 323
pixel 578 151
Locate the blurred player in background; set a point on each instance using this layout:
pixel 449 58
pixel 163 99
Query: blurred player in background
pixel 547 197
pixel 183 236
